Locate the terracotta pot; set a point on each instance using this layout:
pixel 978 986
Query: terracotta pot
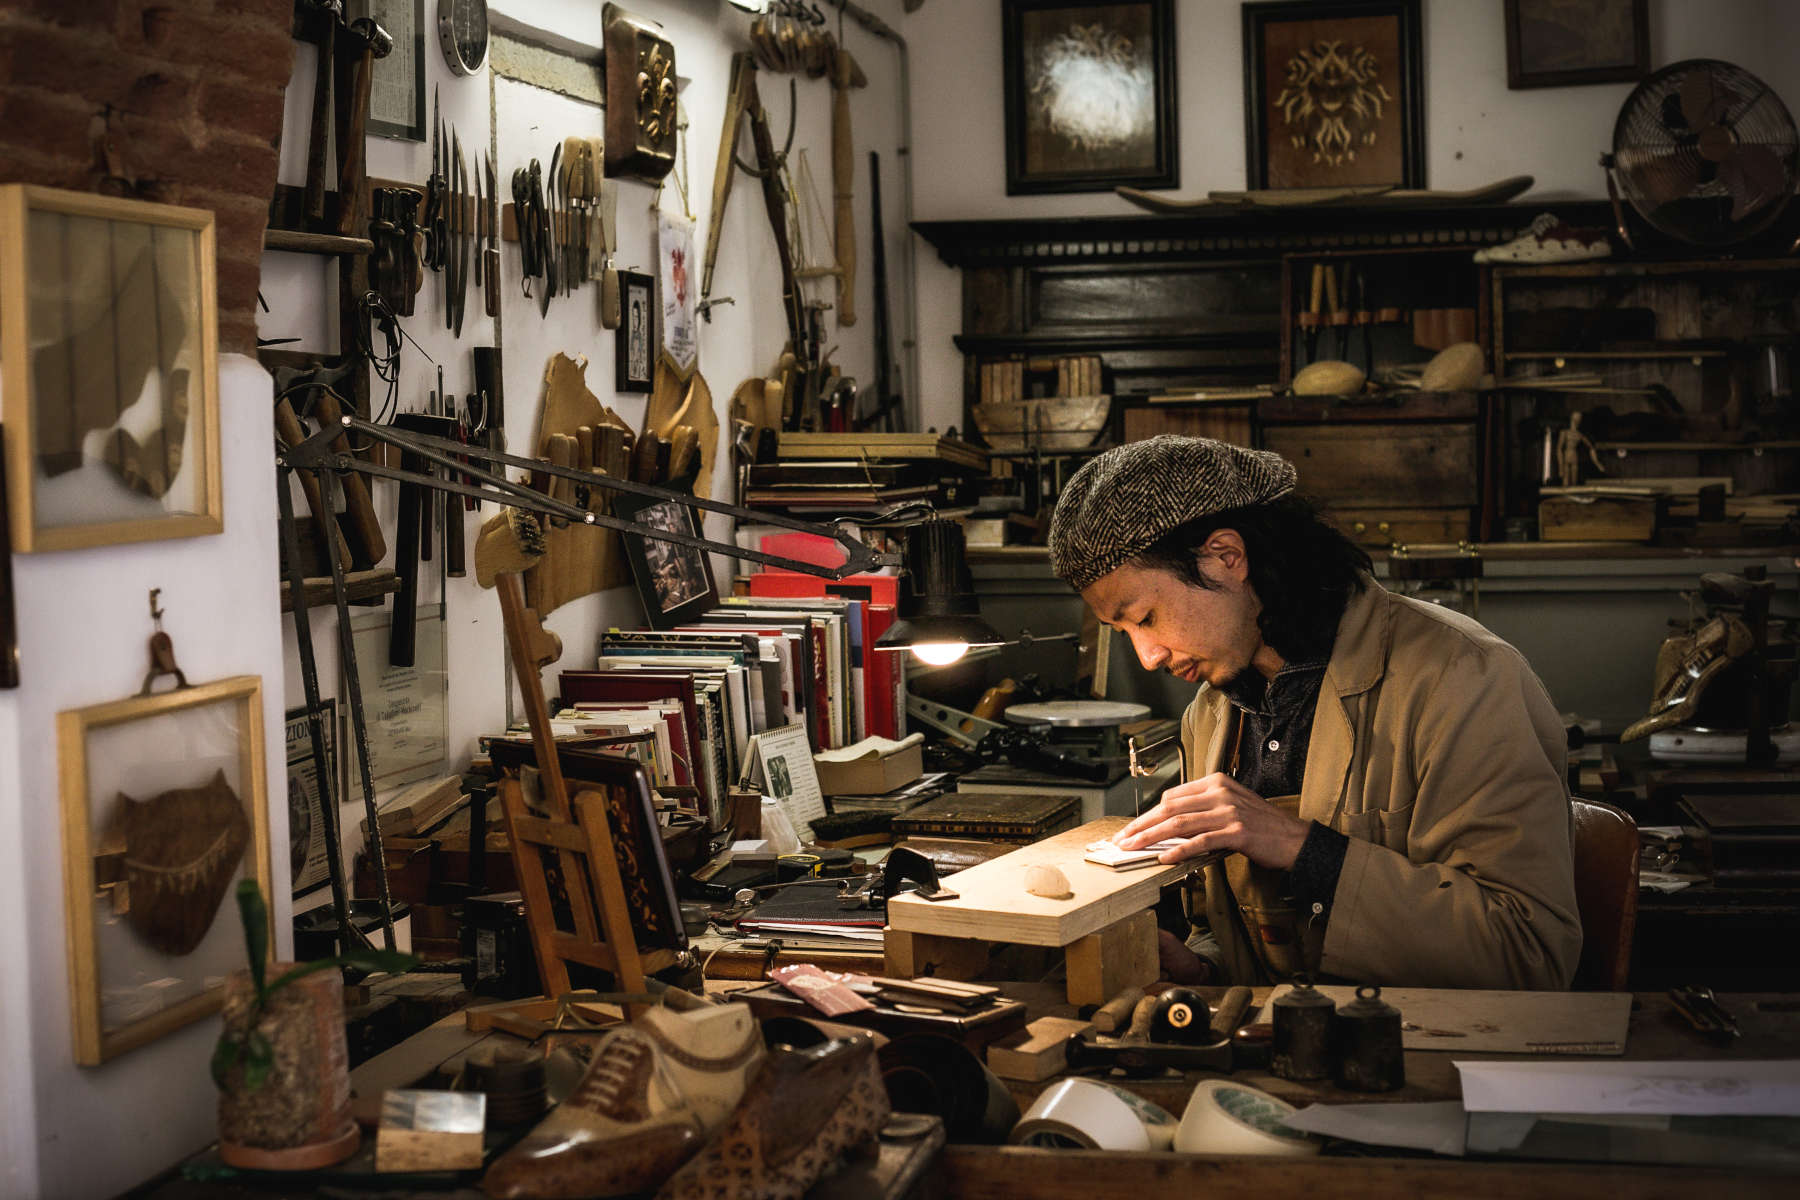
pixel 299 1118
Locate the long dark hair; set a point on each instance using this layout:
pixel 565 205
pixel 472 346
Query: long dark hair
pixel 1304 570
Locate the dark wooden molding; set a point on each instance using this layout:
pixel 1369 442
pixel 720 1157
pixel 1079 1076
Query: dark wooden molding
pixel 1248 233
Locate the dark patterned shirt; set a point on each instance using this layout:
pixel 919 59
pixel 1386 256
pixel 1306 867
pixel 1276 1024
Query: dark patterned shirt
pixel 1275 727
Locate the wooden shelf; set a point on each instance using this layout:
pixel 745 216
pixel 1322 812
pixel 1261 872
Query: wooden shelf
pixel 361 587
pixel 1611 355
pixel 1695 447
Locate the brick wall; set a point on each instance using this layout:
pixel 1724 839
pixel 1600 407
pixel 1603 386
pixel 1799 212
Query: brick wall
pixel 176 101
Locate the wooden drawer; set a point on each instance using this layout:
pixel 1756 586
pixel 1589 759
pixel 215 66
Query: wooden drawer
pixel 1372 466
pixel 1382 527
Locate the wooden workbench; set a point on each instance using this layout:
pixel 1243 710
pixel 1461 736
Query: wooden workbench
pixel 1771 1029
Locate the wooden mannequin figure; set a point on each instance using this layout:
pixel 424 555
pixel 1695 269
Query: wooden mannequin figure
pixel 1570 443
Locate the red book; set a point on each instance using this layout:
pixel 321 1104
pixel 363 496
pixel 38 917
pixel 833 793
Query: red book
pixel 882 675
pixel 877 589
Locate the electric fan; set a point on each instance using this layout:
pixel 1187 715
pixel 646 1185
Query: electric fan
pixel 1705 152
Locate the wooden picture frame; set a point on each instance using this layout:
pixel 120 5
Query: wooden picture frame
pixel 674 581
pixel 1056 56
pixel 1608 42
pixel 149 873
pixel 109 369
pixel 634 343
pixel 644 870
pixel 1297 54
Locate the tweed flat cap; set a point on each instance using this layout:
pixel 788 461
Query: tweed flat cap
pixel 1120 503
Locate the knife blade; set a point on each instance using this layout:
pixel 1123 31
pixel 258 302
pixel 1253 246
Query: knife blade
pixel 492 251
pixel 462 238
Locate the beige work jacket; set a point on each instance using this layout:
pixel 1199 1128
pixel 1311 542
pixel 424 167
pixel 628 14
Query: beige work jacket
pixel 1439 754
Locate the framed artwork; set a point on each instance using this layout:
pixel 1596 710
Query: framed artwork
pixel 397 82
pixel 1332 94
pixel 635 341
pixel 675 581
pixel 308 783
pixel 1089 95
pixel 637 836
pixel 164 810
pixel 1552 44
pixel 109 369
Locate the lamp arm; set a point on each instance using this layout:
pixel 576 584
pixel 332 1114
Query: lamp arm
pixel 315 454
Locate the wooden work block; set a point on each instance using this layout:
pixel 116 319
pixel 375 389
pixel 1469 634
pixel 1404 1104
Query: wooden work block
pixel 910 955
pixel 1103 964
pixel 993 905
pixel 430 1131
pixel 1037 1051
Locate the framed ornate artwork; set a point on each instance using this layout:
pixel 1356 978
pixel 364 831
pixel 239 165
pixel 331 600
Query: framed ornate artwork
pixel 675 581
pixel 634 342
pixel 1332 94
pixel 109 369
pixel 1552 43
pixel 1089 95
pixel 164 810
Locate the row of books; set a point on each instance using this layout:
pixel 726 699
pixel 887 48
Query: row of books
pixel 686 701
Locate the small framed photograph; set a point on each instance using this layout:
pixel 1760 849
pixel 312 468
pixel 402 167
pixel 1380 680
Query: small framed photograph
pixel 164 810
pixel 675 581
pixel 310 786
pixel 1551 44
pixel 1089 95
pixel 397 82
pixel 1332 94
pixel 109 369
pixel 635 340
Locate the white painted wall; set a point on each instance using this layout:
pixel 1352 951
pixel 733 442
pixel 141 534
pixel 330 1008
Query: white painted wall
pixel 84 619
pixel 743 339
pixel 1475 129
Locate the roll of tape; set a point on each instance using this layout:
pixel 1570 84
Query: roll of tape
pixel 1086 1114
pixel 1228 1118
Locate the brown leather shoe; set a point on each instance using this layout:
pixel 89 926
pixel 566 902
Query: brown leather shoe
pixel 655 1089
pixel 804 1110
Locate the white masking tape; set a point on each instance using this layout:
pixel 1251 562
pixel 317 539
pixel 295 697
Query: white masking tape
pixel 1088 1114
pixel 1228 1118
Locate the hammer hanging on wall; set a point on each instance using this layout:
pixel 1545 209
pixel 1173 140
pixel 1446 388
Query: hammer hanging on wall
pixel 368 41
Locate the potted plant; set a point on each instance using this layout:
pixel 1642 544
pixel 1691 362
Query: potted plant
pixel 281 1065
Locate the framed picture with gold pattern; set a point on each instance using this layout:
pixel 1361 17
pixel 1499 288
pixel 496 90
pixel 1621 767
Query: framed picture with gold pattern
pixel 1332 94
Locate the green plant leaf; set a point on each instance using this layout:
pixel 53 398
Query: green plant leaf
pixel 225 1054
pixel 259 1056
pixel 256 929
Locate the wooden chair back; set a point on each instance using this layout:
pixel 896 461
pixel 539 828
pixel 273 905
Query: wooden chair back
pixel 1606 893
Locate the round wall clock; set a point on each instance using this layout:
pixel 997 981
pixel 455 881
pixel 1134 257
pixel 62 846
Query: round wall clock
pixel 463 34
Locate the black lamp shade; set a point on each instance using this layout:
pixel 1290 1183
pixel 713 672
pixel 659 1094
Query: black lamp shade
pixel 937 594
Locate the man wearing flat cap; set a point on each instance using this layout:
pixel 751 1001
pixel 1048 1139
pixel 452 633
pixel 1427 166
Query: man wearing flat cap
pixel 1378 782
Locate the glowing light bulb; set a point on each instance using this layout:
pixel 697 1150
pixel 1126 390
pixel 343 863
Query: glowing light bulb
pixel 940 654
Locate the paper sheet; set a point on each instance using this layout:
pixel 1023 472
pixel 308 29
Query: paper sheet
pixel 1714 1089
pixel 1437 1126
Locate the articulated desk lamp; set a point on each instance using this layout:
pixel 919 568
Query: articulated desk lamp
pixel 939 616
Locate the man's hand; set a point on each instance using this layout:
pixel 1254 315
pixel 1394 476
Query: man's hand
pixel 1218 813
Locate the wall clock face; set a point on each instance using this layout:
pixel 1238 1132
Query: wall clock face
pixel 463 34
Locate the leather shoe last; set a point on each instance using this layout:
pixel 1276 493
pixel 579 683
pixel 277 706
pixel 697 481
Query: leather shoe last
pixel 804 1110
pixel 655 1089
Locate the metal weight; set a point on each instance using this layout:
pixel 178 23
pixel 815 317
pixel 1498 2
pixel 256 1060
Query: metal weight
pixel 1366 1044
pixel 1302 1040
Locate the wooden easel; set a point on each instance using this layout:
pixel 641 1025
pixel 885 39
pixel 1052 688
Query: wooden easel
pixel 579 833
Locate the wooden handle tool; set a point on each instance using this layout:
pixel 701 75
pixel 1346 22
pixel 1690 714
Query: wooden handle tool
pixel 1115 1014
pixel 359 506
pixel 1230 1012
pixel 287 425
pixel 845 74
